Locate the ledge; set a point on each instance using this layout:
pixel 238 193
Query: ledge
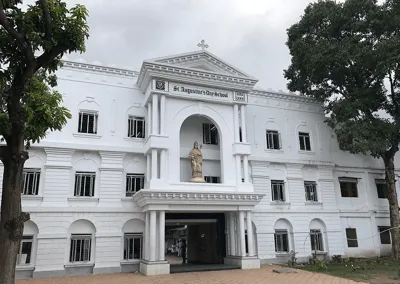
pixel 319 252
pixel 24 268
pixel 79 264
pixel 304 152
pixel 86 135
pixel 313 203
pixel 127 262
pixel 282 254
pixel 31 197
pixel 84 199
pixel 133 139
pixel 279 203
pixel 273 151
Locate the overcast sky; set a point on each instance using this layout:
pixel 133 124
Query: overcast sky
pixel 249 34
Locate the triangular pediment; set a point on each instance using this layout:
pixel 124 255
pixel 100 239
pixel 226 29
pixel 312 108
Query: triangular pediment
pixel 202 61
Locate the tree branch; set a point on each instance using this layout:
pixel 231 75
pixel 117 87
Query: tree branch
pixel 50 55
pixel 19 37
pixel 47 20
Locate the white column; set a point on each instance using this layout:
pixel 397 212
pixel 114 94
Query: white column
pixel 249 233
pixel 148 169
pixel 161 230
pixel 162 115
pixel 149 119
pixel 238 170
pixel 232 240
pixel 236 122
pixel 153 227
pixel 243 119
pixel 242 234
pixel 154 174
pixel 163 157
pixel 246 168
pixel 155 114
pixel 147 236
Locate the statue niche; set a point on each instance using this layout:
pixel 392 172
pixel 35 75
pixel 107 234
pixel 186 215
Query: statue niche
pixel 196 163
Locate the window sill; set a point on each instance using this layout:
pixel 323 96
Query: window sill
pixel 27 267
pixel 84 199
pixel 319 252
pixel 305 152
pixel 86 135
pixel 31 197
pixel 134 139
pixel 313 203
pixel 282 254
pixel 79 264
pixel 279 203
pixel 277 151
pixel 132 261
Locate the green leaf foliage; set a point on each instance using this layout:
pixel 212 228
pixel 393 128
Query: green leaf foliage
pixel 32 42
pixel 346 55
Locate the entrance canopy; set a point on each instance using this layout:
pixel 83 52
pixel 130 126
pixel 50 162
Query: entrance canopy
pixel 205 201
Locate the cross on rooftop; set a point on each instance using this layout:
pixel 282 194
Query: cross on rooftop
pixel 203 45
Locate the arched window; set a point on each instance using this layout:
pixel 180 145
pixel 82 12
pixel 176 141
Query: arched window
pixel 82 242
pixel 27 249
pixel 318 237
pixel 283 236
pixel 133 240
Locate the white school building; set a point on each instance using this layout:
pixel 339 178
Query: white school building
pixel 105 193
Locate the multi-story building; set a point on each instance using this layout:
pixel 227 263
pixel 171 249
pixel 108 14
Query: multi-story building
pixel 103 190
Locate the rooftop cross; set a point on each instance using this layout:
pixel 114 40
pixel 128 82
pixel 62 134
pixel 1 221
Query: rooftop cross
pixel 203 45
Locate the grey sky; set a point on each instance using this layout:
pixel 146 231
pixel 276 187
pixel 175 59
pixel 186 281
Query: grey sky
pixel 249 34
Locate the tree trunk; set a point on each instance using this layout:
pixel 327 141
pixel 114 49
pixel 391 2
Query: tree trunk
pixel 393 203
pixel 12 218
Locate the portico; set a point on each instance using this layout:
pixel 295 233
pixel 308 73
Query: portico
pixel 237 208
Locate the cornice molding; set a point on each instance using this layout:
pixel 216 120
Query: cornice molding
pixel 285 97
pixel 99 69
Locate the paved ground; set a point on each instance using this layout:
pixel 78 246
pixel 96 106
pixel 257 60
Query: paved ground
pixel 261 276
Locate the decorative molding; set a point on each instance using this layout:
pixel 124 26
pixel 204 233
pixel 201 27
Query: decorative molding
pixel 99 69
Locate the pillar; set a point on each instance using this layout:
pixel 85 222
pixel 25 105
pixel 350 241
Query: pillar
pixel 246 168
pixel 243 120
pixel 154 174
pixel 242 234
pixel 153 227
pixel 148 167
pixel 162 115
pixel 163 167
pixel 238 170
pixel 147 236
pixel 149 119
pixel 155 114
pixel 232 241
pixel 249 233
pixel 161 230
pixel 236 122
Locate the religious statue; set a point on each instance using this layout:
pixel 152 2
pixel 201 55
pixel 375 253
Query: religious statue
pixel 196 162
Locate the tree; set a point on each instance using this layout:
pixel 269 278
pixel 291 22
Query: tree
pixel 32 42
pixel 346 55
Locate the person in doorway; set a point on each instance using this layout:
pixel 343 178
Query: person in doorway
pixel 183 251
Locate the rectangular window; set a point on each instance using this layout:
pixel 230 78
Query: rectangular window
pixel 384 233
pixel 30 182
pixel 136 127
pixel 311 191
pixel 351 235
pixel 211 179
pixel 278 190
pixel 281 241
pixel 84 184
pixel 273 140
pixel 88 122
pixel 305 142
pixel 316 240
pixel 25 250
pixel 210 134
pixel 132 246
pixel 134 183
pixel 348 187
pixel 381 188
pixel 80 248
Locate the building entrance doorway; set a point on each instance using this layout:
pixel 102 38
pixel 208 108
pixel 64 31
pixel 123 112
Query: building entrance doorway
pixel 195 238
